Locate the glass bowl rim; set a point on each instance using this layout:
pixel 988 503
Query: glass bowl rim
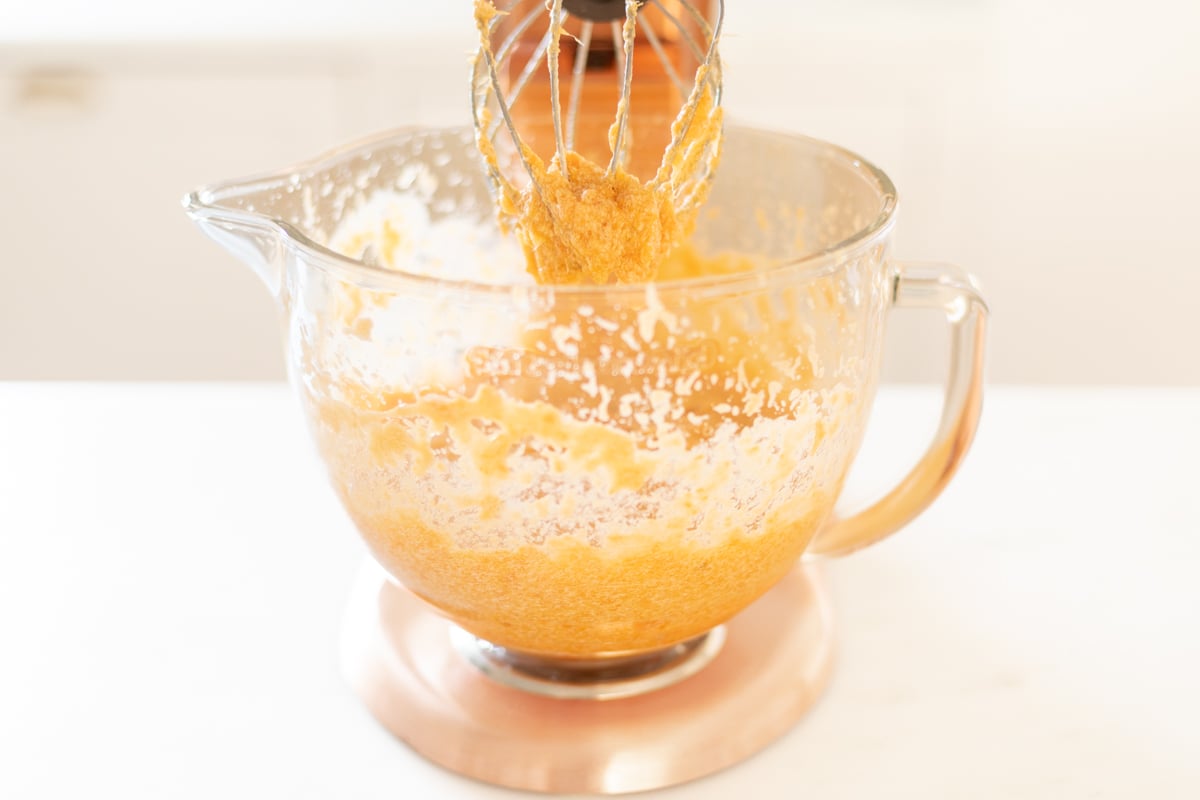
pixel 205 203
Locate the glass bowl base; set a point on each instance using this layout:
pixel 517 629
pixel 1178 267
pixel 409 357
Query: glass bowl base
pixel 401 659
pixel 609 677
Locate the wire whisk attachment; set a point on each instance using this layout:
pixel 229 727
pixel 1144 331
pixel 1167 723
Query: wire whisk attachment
pixel 638 119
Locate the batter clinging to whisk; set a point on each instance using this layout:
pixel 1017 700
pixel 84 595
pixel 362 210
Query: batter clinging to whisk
pixel 577 219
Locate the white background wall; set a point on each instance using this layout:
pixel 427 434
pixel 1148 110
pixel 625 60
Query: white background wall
pixel 1049 146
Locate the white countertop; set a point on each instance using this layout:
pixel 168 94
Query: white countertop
pixel 172 571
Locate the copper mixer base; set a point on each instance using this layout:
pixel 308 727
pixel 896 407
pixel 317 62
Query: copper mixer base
pixel 398 657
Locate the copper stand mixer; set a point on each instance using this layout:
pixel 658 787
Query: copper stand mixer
pixel 587 503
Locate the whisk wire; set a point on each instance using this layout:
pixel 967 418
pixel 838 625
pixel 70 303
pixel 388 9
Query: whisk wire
pixel 556 31
pixel 517 32
pixel 522 81
pixel 695 48
pixel 494 79
pixel 577 74
pixel 699 18
pixel 659 51
pixel 628 32
pixel 693 104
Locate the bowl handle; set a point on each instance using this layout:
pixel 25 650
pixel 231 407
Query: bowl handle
pixel 953 291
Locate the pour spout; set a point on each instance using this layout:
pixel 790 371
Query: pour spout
pixel 255 240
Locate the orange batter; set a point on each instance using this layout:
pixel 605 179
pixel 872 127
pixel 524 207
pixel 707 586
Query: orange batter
pixel 626 477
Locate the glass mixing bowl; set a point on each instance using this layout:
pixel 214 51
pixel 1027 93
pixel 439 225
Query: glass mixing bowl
pixel 592 478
